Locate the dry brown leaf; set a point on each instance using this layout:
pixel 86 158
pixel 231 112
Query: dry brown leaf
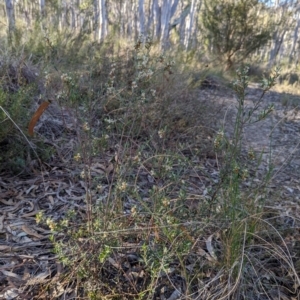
pixel 31 232
pixel 114 263
pixel 98 168
pixel 11 274
pixel 1 222
pixel 59 290
pixel 10 294
pixel 8 202
pixel 30 214
pixel 29 189
pixel 210 248
pixel 50 198
pixel 109 168
pixel 36 116
pixel 3 247
pixel 38 278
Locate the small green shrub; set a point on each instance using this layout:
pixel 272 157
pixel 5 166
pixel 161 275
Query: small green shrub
pixel 19 89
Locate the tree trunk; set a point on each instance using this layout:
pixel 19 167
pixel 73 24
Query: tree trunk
pixel 100 22
pixel 42 8
pixel 97 31
pixel 62 14
pixel 150 17
pixel 284 21
pixel 295 39
pixel 174 8
pixel 141 17
pixel 165 20
pixel 10 15
pixel 189 24
pixel 134 22
pixel 276 47
pixel 182 26
pixel 194 37
pixel 156 10
pixel 103 19
pixel 123 12
pixel 27 14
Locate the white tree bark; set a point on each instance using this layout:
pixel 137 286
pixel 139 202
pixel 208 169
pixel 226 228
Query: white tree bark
pixel 62 14
pixel 100 20
pixel 97 30
pixel 42 8
pixel 73 15
pixel 103 19
pixel 156 10
pixel 149 15
pixel 196 25
pixel 133 20
pixel 165 20
pixel 80 16
pixel 278 33
pixel 189 24
pixel 295 39
pixel 123 14
pixel 182 26
pixel 141 17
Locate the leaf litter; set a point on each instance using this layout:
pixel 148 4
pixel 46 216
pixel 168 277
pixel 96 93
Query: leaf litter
pixel 27 261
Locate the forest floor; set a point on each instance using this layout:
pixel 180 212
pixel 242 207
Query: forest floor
pixel 28 265
pixel 277 138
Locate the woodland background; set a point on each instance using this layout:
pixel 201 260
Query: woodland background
pixel 195 24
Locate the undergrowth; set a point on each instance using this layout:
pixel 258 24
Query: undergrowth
pixel 148 230
pixel 157 222
pixel 19 89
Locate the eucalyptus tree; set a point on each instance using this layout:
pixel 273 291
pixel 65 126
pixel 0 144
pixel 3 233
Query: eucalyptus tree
pixel 283 17
pixel 100 20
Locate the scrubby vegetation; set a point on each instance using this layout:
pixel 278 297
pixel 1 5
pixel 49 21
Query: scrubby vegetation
pixel 153 197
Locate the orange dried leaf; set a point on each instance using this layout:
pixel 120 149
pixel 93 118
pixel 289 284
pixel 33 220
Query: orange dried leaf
pixel 36 116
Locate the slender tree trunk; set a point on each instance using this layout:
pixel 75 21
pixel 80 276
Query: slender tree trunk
pixel 156 10
pixel 122 16
pixel 174 8
pixel 276 47
pixel 73 15
pixel 189 25
pixel 194 41
pixel 150 17
pixel 141 17
pixel 100 20
pixel 128 21
pixel 62 14
pixel 165 20
pixel 27 14
pixel 283 20
pixel 297 56
pixel 133 20
pixel 10 15
pixel 183 26
pixel 103 20
pixel 295 39
pixel 79 17
pixel 42 8
pixel 97 31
